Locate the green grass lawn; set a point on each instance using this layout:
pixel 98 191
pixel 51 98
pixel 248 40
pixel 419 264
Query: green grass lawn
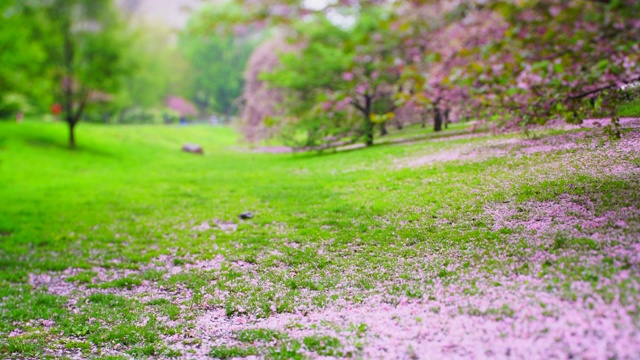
pixel 629 109
pixel 122 247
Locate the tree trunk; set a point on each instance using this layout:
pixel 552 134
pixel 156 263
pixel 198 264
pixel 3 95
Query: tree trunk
pixel 446 118
pixel 67 83
pixel 368 124
pixel 383 129
pixel 399 124
pixel 72 135
pixel 73 118
pixel 121 115
pixel 437 119
pixel 227 113
pixel 368 130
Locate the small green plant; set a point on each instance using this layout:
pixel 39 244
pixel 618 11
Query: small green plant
pixel 613 130
pixel 21 346
pixel 262 335
pixel 110 300
pixel 144 351
pixel 287 350
pixel 153 275
pixel 226 352
pixel 127 282
pixel 85 277
pixel 323 345
pixel 82 345
pixel 560 242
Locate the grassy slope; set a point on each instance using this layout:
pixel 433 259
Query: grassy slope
pixel 127 195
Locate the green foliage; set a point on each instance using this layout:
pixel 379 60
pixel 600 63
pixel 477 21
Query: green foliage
pixel 82 55
pixel 72 51
pixel 340 83
pixel 217 62
pixel 85 46
pixel 12 103
pixel 157 69
pixel 134 114
pixel 23 58
pixel 561 60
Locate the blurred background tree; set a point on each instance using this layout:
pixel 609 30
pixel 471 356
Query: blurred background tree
pixel 157 70
pixel 63 51
pixel 23 58
pixel 217 61
pixel 85 47
pixel 99 62
pixel 343 82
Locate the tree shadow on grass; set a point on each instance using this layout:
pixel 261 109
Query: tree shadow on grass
pixel 451 135
pixel 43 142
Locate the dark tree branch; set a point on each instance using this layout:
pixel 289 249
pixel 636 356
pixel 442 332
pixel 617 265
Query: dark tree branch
pixel 358 106
pixel 600 89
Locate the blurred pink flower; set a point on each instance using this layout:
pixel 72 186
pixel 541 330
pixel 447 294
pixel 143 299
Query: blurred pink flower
pixel 182 106
pixel 348 76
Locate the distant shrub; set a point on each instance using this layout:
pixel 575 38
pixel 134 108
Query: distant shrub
pixel 133 116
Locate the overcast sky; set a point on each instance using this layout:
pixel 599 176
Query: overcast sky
pixel 173 13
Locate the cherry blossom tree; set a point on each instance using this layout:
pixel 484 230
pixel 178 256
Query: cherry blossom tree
pixel 510 61
pixel 355 67
pixel 260 102
pixel 439 53
pixel 558 59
